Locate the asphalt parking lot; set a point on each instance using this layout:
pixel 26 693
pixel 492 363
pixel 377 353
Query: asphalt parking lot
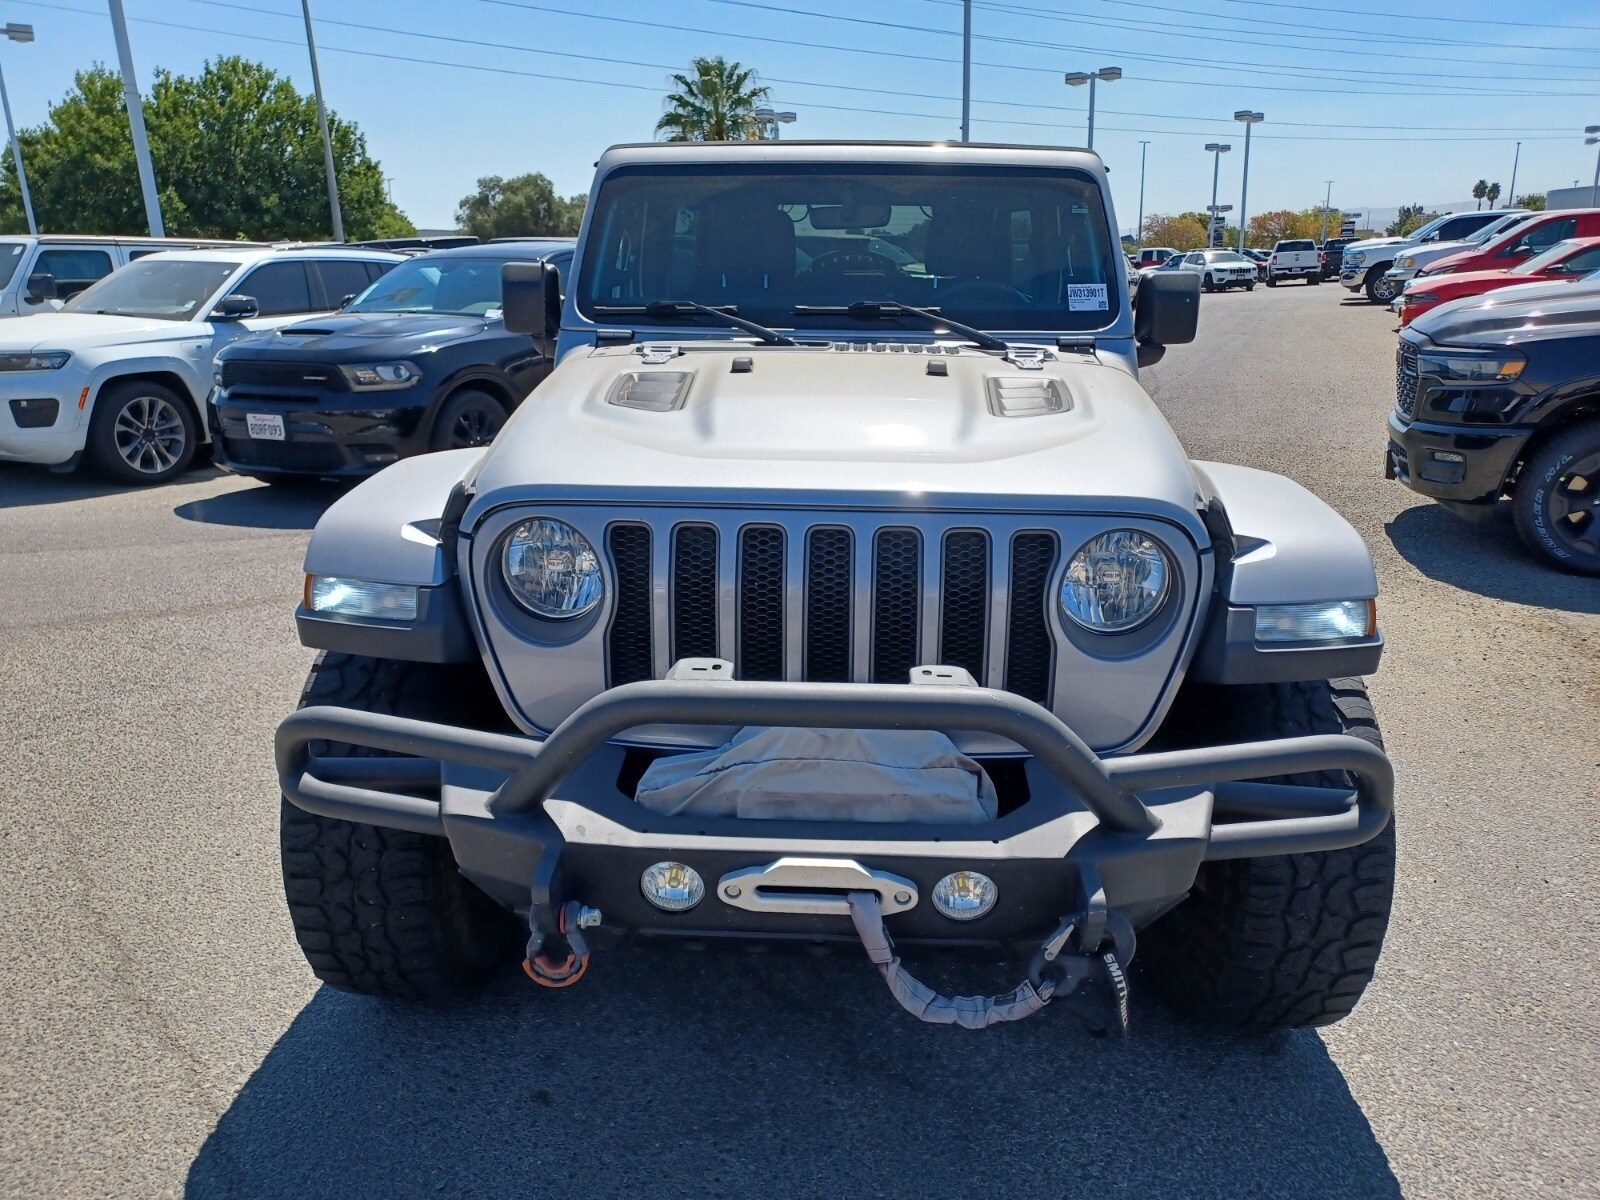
pixel 161 1035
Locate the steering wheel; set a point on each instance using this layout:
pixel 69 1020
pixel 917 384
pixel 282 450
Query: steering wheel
pixel 981 290
pixel 837 262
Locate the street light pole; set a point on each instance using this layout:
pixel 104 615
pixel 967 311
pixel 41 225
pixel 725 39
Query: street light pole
pixel 1594 187
pixel 18 33
pixel 1248 119
pixel 1079 78
pixel 1327 200
pixel 322 119
pixel 966 70
pixel 1217 150
pixel 1511 195
pixel 141 144
pixel 1138 234
pixel 777 120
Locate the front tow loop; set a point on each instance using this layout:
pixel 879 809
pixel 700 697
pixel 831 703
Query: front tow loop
pixel 559 959
pixel 1053 971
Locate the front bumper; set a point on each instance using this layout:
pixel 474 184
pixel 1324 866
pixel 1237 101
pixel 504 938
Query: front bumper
pixel 1465 468
pixel 336 434
pixel 39 416
pixel 536 824
pixel 1354 278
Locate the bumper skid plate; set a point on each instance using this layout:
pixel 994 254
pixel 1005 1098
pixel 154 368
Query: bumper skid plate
pixel 540 825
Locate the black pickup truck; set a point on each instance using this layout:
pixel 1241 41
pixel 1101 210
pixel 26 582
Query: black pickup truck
pixel 1333 256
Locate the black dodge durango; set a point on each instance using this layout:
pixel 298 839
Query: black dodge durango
pixel 419 361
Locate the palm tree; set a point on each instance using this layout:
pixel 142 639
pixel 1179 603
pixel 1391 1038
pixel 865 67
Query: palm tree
pixel 1480 190
pixel 716 104
pixel 1493 194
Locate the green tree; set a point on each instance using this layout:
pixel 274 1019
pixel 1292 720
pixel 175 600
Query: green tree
pixel 1410 216
pixel 716 104
pixel 237 153
pixel 1480 190
pixel 526 206
pixel 1533 202
pixel 1180 231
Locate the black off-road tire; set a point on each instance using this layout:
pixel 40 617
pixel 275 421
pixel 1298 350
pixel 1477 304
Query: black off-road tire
pixel 1286 942
pixel 382 911
pixel 1554 516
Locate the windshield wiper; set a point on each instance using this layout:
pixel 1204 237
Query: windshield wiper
pixel 693 308
pixel 881 310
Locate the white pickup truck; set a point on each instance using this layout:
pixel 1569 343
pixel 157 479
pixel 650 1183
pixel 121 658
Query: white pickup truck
pixel 1296 259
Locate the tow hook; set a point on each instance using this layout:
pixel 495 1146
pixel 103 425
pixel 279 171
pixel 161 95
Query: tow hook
pixel 552 969
pixel 1057 972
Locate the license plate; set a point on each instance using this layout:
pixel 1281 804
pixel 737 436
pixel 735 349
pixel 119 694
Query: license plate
pixel 266 427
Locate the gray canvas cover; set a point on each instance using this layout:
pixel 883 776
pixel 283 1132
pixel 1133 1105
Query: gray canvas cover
pixel 824 775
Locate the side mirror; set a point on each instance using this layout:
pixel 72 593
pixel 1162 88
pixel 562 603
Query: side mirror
pixel 235 308
pixel 1166 313
pixel 345 302
pixel 530 300
pixel 41 287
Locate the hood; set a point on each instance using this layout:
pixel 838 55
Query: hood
pixel 1509 316
pixel 1471 279
pixel 815 424
pixel 1437 250
pixel 361 335
pixel 72 331
pixel 1384 243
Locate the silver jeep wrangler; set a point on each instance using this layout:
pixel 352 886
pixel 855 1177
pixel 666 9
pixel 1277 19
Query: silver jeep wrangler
pixel 842 584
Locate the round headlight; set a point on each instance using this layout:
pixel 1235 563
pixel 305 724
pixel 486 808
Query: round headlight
pixel 1115 582
pixel 552 570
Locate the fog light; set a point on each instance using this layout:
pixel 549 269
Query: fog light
pixel 672 887
pixel 965 895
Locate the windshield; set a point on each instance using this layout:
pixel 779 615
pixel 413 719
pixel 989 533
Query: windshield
pixel 1225 256
pixel 1494 228
pixel 161 288
pixel 10 257
pixel 997 248
pixel 467 287
pixel 1561 250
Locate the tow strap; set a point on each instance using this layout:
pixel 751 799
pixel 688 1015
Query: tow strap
pixel 1053 971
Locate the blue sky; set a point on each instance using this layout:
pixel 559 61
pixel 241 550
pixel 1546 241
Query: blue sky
pixel 1392 108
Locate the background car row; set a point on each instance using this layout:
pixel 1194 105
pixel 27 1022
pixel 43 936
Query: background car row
pixel 121 377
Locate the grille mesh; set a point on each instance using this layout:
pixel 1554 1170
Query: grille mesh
pixel 1405 380
pixel 964 618
pixel 629 636
pixel 318 376
pixel 694 592
pixel 828 581
pixel 896 601
pixel 1029 647
pixel 761 603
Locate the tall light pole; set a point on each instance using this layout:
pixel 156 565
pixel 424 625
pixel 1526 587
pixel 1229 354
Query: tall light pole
pixel 141 144
pixel 1138 234
pixel 1079 78
pixel 1216 150
pixel 966 70
pixel 18 33
pixel 1327 200
pixel 1511 195
pixel 1594 187
pixel 322 119
pixel 1248 119
pixel 775 119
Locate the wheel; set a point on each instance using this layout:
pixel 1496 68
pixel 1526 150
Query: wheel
pixel 1313 280
pixel 141 432
pixel 1208 284
pixel 1379 289
pixel 1272 281
pixel 384 911
pixel 1250 287
pixel 1286 942
pixel 469 418
pixel 1557 500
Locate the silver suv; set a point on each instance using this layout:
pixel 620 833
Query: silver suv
pixel 843 585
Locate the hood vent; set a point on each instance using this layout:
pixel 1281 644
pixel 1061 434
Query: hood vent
pixel 1039 396
pixel 651 391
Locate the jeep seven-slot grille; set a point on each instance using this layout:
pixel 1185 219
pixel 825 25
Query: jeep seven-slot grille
pixel 842 635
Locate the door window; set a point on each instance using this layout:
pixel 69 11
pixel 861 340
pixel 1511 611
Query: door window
pixel 1581 263
pixel 1542 237
pixel 278 288
pixel 73 270
pixel 345 277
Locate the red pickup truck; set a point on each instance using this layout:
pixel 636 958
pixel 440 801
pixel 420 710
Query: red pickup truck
pixel 1520 243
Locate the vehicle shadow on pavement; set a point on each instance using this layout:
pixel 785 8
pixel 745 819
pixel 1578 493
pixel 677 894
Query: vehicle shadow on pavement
pixel 264 507
pixel 681 1074
pixel 22 485
pixel 1488 559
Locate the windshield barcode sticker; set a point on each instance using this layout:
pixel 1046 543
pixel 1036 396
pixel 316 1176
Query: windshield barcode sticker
pixel 1086 296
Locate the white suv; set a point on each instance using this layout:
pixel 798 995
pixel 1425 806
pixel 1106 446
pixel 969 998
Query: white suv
pixel 120 374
